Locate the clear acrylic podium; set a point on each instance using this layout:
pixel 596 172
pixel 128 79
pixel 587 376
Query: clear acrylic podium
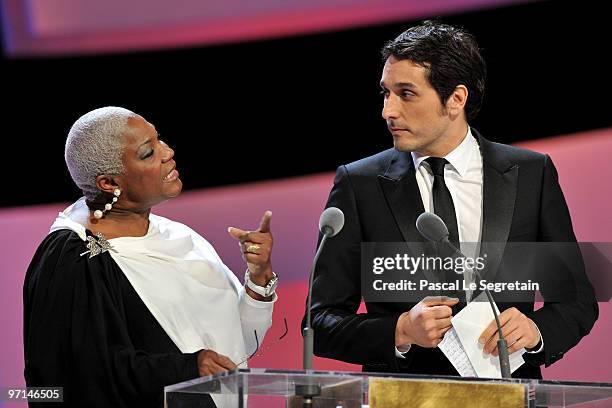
pixel 258 387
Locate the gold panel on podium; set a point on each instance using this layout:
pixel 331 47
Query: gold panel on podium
pixel 393 392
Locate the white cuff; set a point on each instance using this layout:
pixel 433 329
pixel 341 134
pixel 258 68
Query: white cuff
pixel 541 341
pixel 260 304
pixel 402 354
pixel 256 310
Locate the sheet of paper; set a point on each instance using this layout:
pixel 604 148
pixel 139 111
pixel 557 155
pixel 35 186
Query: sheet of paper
pixel 453 350
pixel 469 323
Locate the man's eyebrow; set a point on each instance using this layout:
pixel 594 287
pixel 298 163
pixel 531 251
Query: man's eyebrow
pixel 409 85
pixel 144 143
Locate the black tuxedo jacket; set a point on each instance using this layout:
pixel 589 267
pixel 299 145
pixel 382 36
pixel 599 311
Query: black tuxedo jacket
pixel 379 195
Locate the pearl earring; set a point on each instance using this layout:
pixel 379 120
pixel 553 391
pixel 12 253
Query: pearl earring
pixel 107 207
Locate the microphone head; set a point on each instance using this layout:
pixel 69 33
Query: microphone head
pixel 432 227
pixel 331 221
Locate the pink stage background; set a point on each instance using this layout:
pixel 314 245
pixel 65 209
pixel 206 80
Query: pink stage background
pixel 584 169
pixel 62 27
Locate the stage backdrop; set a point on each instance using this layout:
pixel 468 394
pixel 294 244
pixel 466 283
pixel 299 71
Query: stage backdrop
pixel 582 161
pixel 62 27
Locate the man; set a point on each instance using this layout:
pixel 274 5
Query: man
pixel 433 84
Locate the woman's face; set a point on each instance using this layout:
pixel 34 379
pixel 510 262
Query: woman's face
pixel 150 175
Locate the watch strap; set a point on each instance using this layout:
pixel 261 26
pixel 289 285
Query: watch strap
pixel 264 291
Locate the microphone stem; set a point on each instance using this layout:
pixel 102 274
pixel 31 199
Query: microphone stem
pixel 491 302
pixel 311 278
pixel 308 330
pixel 310 388
pixel 502 346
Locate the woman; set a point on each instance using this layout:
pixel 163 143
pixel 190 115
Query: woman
pixel 120 302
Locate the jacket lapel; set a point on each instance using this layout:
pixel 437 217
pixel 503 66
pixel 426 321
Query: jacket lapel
pixel 401 191
pixel 500 177
pixel 403 197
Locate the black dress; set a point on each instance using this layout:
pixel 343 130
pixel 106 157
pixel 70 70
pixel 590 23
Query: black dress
pixel 87 330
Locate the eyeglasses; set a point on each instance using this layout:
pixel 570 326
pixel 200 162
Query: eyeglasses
pixel 258 352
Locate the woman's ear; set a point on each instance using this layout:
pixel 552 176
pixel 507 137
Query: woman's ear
pixel 106 183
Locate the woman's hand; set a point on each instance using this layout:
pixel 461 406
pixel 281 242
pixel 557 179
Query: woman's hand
pixel 256 247
pixel 210 363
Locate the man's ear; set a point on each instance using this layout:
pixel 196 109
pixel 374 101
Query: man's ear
pixel 106 183
pixel 456 102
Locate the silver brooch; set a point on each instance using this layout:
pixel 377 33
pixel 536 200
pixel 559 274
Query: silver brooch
pixel 96 247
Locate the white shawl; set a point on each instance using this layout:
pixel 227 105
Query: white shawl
pixel 181 279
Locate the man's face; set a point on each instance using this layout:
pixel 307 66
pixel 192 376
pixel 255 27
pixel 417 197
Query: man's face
pixel 150 176
pixel 412 109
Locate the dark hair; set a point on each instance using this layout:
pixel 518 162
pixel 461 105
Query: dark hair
pixel 451 57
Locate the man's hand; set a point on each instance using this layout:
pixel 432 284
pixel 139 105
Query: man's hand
pixel 210 363
pixel 519 331
pixel 256 247
pixel 426 323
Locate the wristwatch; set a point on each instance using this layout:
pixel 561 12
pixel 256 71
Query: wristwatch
pixel 264 291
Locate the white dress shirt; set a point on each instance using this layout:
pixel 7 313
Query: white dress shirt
pixel 463 177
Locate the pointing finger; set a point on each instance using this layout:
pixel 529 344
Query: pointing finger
pixel 264 225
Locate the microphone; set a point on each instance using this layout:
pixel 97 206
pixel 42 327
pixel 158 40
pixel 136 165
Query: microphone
pixel 434 229
pixel 331 221
pixel 330 224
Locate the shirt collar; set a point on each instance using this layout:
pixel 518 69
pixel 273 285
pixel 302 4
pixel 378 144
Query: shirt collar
pixel 459 158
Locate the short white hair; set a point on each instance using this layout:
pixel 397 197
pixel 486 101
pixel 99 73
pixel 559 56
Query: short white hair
pixel 95 146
